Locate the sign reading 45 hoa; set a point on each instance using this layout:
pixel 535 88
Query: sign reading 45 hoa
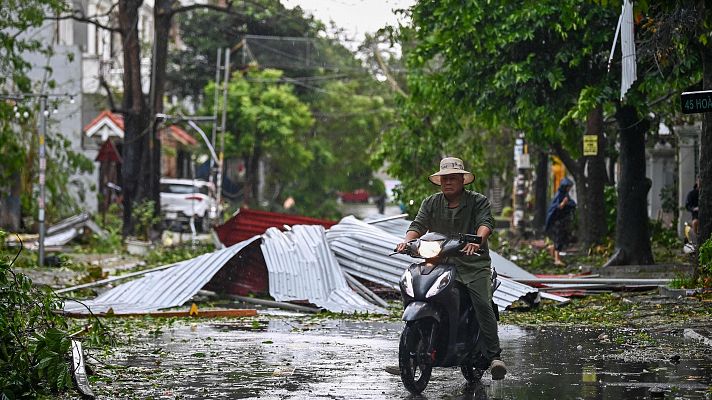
pixel 696 102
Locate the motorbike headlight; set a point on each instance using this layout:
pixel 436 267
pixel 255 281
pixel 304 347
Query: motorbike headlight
pixel 429 249
pixel 440 284
pixel 407 283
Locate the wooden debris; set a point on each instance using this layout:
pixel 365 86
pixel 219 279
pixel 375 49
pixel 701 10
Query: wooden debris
pixel 192 313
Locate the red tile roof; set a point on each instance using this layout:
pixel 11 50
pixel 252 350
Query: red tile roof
pixel 174 130
pixel 180 135
pixel 117 119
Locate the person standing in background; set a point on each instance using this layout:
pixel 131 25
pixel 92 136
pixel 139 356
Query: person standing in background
pixel 559 220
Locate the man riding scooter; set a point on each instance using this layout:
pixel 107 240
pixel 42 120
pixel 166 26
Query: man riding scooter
pixel 458 211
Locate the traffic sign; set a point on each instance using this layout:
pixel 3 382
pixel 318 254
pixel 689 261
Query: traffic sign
pixel 696 102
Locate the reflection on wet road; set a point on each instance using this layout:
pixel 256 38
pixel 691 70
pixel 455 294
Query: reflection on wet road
pixel 292 358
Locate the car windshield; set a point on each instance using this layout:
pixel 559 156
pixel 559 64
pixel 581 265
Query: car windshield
pixel 182 189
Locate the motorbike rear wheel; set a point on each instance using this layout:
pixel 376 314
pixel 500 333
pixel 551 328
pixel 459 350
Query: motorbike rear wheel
pixel 415 369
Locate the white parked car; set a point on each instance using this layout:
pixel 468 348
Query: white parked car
pixel 182 199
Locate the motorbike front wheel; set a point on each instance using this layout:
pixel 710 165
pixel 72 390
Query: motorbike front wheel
pixel 415 368
pixel 471 374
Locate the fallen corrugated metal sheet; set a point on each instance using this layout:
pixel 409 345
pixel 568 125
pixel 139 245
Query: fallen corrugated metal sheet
pixel 363 251
pixel 247 223
pixel 397 227
pixel 161 289
pixel 302 267
pixel 67 223
pixel 509 269
pixel 63 232
pixel 61 238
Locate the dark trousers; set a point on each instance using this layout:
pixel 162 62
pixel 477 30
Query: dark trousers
pixel 480 290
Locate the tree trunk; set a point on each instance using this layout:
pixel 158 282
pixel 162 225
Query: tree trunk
pixel 632 231
pixel 253 175
pixel 136 116
pixel 705 202
pixel 162 16
pixel 595 171
pixel 541 185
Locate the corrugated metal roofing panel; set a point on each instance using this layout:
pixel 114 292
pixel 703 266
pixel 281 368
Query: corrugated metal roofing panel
pixel 397 227
pixel 363 251
pixel 161 289
pixel 302 267
pixel 67 223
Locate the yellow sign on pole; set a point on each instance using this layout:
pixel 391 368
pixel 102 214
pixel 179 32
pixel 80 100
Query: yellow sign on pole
pixel 590 145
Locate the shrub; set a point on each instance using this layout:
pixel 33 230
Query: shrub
pixel 112 223
pixel 34 346
pixel 507 212
pixel 664 237
pixel 706 257
pixel 145 218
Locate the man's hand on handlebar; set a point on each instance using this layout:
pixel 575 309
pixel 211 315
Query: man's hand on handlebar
pixel 400 248
pixel 471 249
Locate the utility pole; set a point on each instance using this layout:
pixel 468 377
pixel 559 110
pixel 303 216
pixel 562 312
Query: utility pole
pixel 42 169
pixel 221 157
pixel 215 115
pixel 521 186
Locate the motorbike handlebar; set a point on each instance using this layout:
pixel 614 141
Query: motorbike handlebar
pixel 468 238
pixel 462 239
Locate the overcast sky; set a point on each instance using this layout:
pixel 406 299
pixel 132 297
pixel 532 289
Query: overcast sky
pixel 357 17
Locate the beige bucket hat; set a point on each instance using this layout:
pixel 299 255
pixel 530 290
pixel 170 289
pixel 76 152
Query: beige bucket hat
pixel 451 165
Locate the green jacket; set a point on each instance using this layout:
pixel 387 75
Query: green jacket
pixel 472 212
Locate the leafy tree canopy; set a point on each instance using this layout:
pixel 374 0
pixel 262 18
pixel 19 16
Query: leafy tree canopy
pixel 205 31
pixel 266 119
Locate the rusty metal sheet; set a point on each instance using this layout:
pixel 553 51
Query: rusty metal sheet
pixel 247 223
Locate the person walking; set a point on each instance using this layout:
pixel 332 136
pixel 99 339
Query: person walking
pixel 455 210
pixel 559 218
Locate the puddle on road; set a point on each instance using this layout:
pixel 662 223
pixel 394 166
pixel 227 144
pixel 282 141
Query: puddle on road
pixel 336 359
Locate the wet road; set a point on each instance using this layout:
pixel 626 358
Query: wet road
pixel 288 357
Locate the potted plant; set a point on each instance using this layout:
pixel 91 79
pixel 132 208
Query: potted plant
pixel 145 219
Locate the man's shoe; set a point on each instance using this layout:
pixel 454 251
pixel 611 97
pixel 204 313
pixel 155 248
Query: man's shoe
pixel 392 369
pixel 498 370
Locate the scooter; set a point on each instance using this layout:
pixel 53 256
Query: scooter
pixel 441 329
